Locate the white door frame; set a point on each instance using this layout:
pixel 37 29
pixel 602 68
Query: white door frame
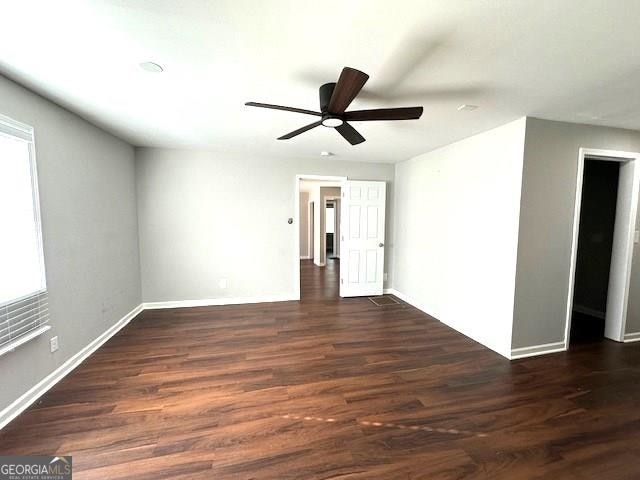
pixel 624 231
pixel 336 237
pixel 296 219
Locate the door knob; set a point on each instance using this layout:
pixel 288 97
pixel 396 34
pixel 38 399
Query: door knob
pixel 381 244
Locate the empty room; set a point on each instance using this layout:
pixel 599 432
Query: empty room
pixel 285 239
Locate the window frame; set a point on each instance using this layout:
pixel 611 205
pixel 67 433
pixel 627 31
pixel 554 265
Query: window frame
pixel 14 129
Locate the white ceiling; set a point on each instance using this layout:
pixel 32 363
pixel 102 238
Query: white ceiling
pixel 571 60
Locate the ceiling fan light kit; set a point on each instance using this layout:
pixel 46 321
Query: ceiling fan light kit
pixel 334 100
pixel 333 122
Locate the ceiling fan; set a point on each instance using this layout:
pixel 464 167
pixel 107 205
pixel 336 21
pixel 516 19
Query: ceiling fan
pixel 334 100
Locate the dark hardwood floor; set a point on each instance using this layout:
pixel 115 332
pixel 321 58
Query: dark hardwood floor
pixel 331 388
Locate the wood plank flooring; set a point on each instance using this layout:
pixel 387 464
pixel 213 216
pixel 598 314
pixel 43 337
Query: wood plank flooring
pixel 331 388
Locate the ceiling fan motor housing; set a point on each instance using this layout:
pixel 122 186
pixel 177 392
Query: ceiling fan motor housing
pixel 326 91
pixel 328 119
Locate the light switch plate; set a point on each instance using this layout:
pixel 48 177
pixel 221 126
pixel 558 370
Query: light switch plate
pixel 53 343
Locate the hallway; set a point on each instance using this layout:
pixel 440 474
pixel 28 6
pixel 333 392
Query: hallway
pixel 319 282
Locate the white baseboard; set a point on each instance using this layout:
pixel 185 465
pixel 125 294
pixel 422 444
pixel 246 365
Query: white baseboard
pixel 632 337
pixel 208 302
pixel 515 353
pixel 35 392
pixel 535 350
pixel 407 299
pixel 305 257
pixel 426 309
pixel 411 301
pixel 592 312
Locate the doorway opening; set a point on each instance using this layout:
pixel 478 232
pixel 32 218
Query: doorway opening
pixel 358 250
pixel 595 244
pixel 318 214
pixel 604 230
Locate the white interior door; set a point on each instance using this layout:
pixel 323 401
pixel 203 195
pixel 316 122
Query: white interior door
pixel 362 238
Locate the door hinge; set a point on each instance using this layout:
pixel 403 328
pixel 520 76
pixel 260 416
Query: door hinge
pixel 342 281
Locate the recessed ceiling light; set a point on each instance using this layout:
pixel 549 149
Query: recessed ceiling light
pixel 151 67
pixel 467 108
pixel 326 154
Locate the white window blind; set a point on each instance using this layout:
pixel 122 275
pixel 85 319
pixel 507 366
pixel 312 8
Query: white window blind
pixel 24 311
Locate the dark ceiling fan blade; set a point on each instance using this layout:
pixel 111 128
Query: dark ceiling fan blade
pixel 350 134
pixel 286 109
pixel 348 86
pixel 300 130
pixel 405 113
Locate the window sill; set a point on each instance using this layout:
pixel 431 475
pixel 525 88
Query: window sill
pixel 10 347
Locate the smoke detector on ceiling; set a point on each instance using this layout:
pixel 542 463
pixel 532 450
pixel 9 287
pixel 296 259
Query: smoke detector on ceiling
pixel 151 67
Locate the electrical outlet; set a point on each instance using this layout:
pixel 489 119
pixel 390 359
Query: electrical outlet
pixel 53 343
pixel 223 283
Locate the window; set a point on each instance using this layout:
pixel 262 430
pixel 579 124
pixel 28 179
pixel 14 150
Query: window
pixel 330 219
pixel 23 296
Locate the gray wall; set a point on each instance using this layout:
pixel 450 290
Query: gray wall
pixel 206 215
pixel 546 227
pixel 633 312
pixel 89 228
